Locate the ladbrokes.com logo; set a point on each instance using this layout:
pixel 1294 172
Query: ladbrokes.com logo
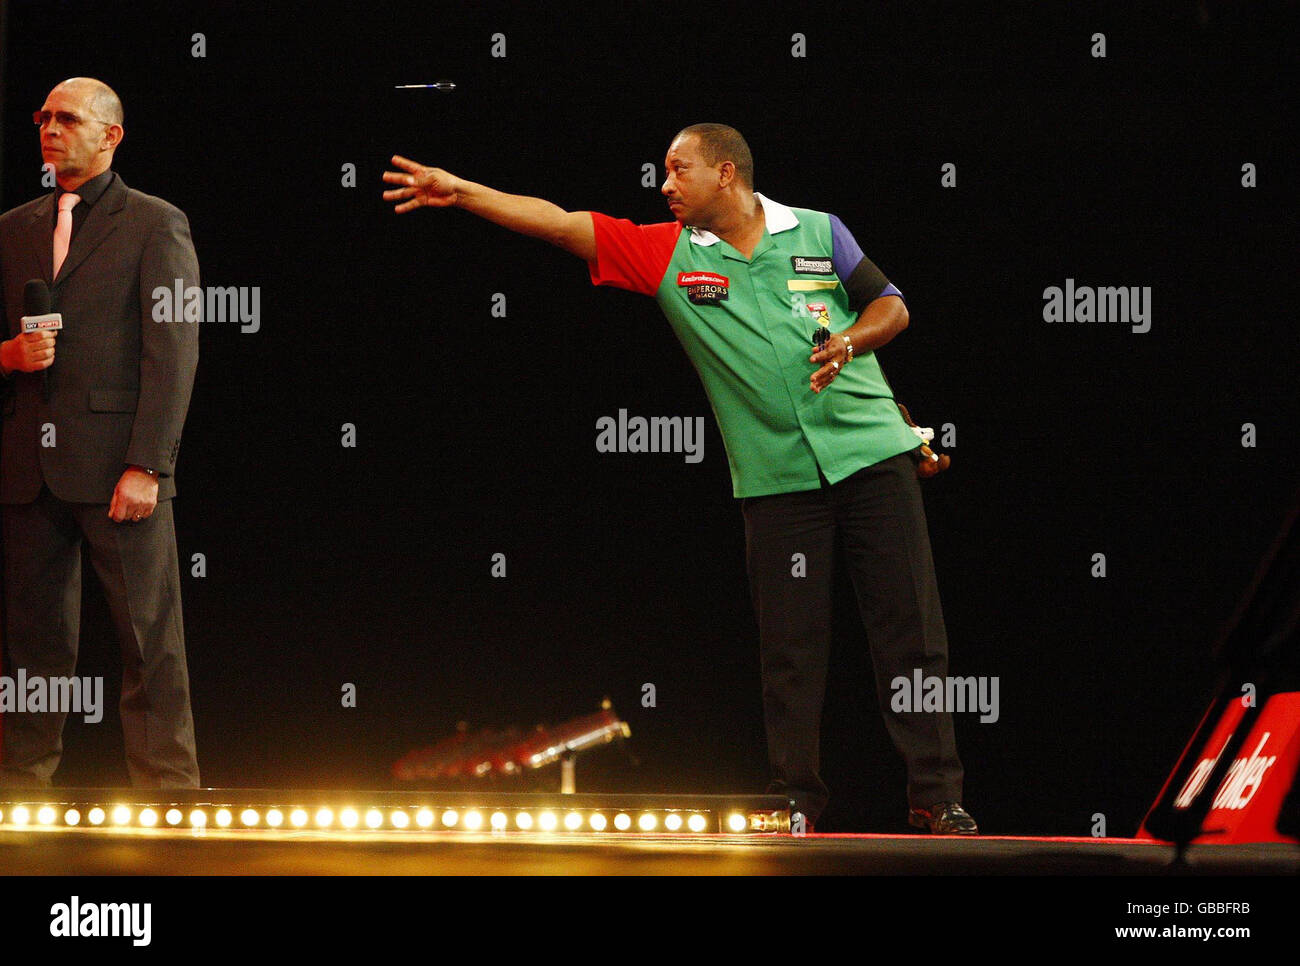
pixel 1238 786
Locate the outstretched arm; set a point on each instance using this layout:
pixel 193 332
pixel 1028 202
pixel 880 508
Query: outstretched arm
pixel 423 186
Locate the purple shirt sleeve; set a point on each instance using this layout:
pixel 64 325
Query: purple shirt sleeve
pixel 846 253
pixel 845 250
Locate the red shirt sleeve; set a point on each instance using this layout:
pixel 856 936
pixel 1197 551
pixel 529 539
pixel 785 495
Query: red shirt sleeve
pixel 630 256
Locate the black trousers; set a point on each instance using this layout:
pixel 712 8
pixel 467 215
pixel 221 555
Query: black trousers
pixel 878 515
pixel 137 565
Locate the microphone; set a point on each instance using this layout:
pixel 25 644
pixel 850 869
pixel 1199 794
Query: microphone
pixel 36 308
pixel 37 317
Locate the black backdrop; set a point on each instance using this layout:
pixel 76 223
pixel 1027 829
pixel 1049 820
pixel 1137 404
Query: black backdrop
pixel 329 565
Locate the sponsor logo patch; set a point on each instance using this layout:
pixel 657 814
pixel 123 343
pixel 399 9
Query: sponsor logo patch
pixel 812 265
pixel 704 288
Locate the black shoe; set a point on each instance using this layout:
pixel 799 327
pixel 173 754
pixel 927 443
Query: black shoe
pixel 944 818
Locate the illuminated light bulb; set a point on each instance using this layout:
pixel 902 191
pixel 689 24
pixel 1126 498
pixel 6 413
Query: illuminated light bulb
pixel 450 818
pixel 198 818
pixel 424 817
pixel 324 818
pixel 524 821
pixel 401 819
pixel 46 815
pixel 224 817
pixel 374 818
pixel 473 820
pixel 148 818
pixel 121 815
pixel 499 821
pixel 249 817
pixel 72 817
pixel 548 821
pixel 173 816
pixel 647 822
pixel 697 823
pixel 573 821
pixel 622 821
pixel 275 818
pixel 736 822
pixel 348 818
pixel 298 817
pixel 673 822
pixel 19 815
pixel 598 821
pixel 96 816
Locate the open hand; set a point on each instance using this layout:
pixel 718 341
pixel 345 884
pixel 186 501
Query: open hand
pixel 421 186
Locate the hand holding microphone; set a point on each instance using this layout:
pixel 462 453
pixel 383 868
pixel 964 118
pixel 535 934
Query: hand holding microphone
pixel 29 352
pixel 33 349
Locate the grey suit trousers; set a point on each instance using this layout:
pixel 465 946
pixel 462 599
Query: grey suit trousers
pixel 137 565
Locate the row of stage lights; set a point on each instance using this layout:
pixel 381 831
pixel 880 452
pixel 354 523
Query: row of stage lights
pixel 349 819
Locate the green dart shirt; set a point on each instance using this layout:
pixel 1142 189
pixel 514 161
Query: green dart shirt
pixel 747 326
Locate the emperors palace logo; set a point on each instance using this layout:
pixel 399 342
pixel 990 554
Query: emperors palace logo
pixel 704 288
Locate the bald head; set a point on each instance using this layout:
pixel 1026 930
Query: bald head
pixel 102 99
pixel 81 127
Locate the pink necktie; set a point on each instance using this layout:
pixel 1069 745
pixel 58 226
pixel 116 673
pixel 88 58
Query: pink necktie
pixel 63 229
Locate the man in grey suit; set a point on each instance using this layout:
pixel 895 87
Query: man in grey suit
pixel 92 426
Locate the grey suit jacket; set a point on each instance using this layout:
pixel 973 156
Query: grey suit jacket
pixel 120 385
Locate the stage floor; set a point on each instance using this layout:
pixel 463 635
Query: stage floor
pixel 77 852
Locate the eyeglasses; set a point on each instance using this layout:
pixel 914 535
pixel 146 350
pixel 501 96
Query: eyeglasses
pixel 65 118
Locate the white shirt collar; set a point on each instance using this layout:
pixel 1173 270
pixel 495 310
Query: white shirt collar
pixel 777 216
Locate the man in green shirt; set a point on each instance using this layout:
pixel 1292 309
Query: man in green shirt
pixel 814 440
